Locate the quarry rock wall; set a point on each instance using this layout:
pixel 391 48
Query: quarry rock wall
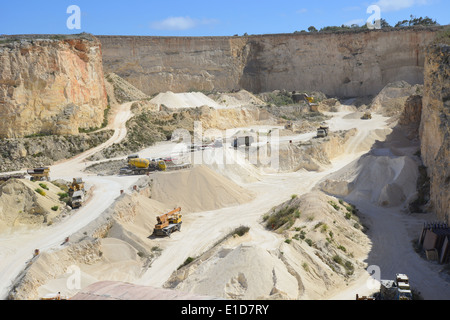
pixel 434 127
pixel 50 85
pixel 343 64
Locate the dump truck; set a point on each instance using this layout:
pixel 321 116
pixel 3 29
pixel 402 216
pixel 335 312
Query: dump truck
pixel 168 223
pixel 137 165
pixel 322 132
pixel 76 193
pixel 39 174
pixel 77 199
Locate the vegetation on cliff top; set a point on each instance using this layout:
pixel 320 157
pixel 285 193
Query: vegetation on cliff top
pixel 412 22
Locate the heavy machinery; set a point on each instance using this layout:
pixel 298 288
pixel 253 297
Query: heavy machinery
pixel 138 165
pixel 322 132
pixel 244 140
pixel 76 193
pixel 77 199
pixel 397 289
pixel 39 174
pixel 77 184
pixel 366 116
pixel 403 288
pixel 168 222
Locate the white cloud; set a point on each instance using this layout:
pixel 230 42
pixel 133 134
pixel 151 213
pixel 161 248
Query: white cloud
pixel 303 10
pixel 395 5
pixel 180 23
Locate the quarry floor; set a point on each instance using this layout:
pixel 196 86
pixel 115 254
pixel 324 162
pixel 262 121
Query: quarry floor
pixel 390 230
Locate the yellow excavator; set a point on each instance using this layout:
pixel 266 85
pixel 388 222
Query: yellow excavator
pixel 168 222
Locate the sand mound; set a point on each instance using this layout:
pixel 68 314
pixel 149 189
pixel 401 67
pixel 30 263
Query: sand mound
pixel 301 268
pixel 105 259
pixel 231 164
pixel 22 206
pixel 383 180
pixel 115 290
pixel 123 91
pixel 244 272
pixel 136 220
pixel 185 100
pixel 239 99
pixel 197 189
pixel 391 99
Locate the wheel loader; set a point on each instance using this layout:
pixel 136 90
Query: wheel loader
pixel 168 223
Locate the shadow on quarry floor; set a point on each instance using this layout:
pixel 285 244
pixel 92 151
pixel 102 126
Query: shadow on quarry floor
pixel 384 185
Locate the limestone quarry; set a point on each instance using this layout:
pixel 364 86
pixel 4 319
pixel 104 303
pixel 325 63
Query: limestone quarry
pixel 287 215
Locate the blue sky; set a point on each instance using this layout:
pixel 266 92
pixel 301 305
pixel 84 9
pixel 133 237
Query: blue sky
pixel 204 18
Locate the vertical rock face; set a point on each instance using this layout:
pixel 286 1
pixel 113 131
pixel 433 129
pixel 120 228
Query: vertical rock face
pixel 435 129
pixel 345 64
pixel 179 64
pixel 50 84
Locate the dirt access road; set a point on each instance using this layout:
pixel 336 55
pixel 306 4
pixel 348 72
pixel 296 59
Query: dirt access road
pixel 17 249
pixel 201 230
pixel 391 249
pixel 391 230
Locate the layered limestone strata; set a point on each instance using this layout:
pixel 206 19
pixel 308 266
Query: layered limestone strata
pixel 344 64
pixel 435 129
pixel 50 84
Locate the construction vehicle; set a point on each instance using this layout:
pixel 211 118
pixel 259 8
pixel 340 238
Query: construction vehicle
pixel 138 165
pixel 244 140
pixel 322 132
pixel 397 289
pixel 77 184
pixel 76 193
pixel 77 199
pixel 298 97
pixel 403 288
pixel 39 174
pixel 168 222
pixel 310 101
pixel 366 116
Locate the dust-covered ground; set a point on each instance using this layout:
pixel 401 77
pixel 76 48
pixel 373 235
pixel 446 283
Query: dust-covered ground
pixel 306 228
